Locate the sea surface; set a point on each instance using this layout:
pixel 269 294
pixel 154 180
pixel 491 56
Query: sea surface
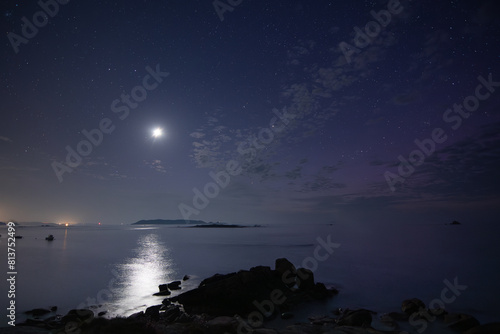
pixel 375 266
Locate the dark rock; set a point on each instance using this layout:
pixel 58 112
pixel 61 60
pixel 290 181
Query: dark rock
pixel 186 277
pixel 286 270
pixel 166 302
pixel 237 293
pixel 164 291
pixel 53 308
pixel 286 315
pixel 175 285
pixel 137 315
pixel 410 306
pixel 34 323
pixel 491 328
pixel 304 329
pixel 115 325
pixel 305 279
pixel 438 312
pixel 153 311
pixel 37 312
pixel 264 331
pixel 100 314
pixel 183 318
pixel 359 318
pixel 321 320
pixel 319 291
pixel 171 313
pixel 222 324
pixel 231 293
pixel 460 322
pixel 388 321
pixel 78 316
pixel 23 330
pixel 215 278
pixel 261 269
pixel 357 330
pixel 398 316
pixel 337 311
pixel 455 223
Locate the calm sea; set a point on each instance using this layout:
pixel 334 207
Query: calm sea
pixel 118 268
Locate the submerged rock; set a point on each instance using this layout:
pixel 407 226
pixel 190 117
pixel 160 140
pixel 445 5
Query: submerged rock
pixel 78 316
pixel 37 312
pixel 175 285
pixel 164 291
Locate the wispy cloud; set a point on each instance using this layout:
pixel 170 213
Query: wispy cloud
pixel 156 165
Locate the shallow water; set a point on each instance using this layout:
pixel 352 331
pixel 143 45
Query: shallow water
pixel 118 268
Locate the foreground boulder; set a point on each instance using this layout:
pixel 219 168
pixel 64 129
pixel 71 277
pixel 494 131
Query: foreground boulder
pixel 248 290
pixel 360 318
pixel 460 322
pixel 491 328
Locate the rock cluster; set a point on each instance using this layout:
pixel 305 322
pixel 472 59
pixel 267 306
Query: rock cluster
pixel 240 292
pixel 241 302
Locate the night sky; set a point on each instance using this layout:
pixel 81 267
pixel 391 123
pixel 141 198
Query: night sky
pixel 271 111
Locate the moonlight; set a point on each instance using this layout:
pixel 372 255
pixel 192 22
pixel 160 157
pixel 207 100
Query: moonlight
pixel 158 132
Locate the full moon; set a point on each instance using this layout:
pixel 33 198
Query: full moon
pixel 158 132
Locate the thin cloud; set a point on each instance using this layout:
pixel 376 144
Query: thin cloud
pixel 6 139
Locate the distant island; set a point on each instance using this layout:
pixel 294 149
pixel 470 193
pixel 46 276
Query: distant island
pixel 30 224
pixel 218 225
pixel 168 222
pixel 195 223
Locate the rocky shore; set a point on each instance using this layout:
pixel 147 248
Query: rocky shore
pixel 247 301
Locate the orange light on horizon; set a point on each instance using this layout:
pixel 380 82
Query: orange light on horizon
pixel 66 224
